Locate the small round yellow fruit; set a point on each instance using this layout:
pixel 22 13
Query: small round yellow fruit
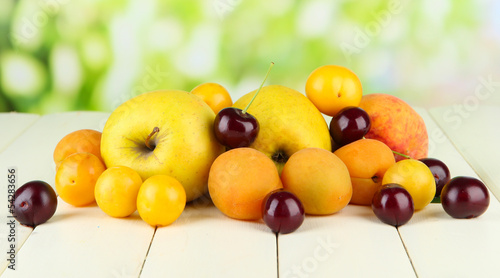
pixel 415 177
pixel 161 200
pixel 332 88
pixel 116 191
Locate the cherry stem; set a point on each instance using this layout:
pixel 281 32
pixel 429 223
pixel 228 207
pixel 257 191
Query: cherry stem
pixel 256 93
pixel 155 130
pixel 403 155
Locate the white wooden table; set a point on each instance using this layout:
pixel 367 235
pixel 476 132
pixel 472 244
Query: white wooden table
pixel 84 242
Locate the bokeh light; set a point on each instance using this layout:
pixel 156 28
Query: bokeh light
pixel 61 55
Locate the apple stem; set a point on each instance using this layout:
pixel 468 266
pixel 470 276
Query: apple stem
pixel 256 93
pixel 403 155
pixel 155 130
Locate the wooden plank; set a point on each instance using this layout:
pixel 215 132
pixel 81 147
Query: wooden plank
pixel 441 246
pixel 205 243
pixel 84 242
pixel 12 125
pixel 350 243
pixel 76 242
pixel 31 155
pixel 476 135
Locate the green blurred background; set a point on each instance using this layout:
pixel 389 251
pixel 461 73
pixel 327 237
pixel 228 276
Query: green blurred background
pixel 62 55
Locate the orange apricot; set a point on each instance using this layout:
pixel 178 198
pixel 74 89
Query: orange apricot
pixel 76 178
pixel 319 179
pixel 80 141
pixel 367 161
pixel 239 180
pixel 213 94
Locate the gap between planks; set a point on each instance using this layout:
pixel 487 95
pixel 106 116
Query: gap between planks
pixel 147 252
pixel 407 253
pixel 277 258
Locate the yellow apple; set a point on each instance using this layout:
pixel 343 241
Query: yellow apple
pixel 288 123
pixel 163 132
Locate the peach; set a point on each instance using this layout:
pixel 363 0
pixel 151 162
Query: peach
pixel 80 141
pixel 319 179
pixel 367 161
pixel 239 180
pixel 396 124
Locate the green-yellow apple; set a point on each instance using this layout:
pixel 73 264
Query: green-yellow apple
pixel 396 124
pixel 288 123
pixel 163 132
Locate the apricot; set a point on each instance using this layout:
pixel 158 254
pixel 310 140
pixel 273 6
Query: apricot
pixel 76 178
pixel 213 94
pixel 367 161
pixel 80 141
pixel 319 179
pixel 239 180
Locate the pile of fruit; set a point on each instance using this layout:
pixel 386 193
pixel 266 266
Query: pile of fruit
pixel 270 155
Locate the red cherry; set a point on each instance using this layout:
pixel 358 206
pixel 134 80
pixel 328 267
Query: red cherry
pixel 282 211
pixel 393 205
pixel 349 125
pixel 440 172
pixel 234 128
pixel 465 197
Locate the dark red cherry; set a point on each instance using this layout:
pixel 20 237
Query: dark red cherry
pixel 34 203
pixel 349 125
pixel 393 205
pixel 465 197
pixel 440 172
pixel 282 211
pixel 235 129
